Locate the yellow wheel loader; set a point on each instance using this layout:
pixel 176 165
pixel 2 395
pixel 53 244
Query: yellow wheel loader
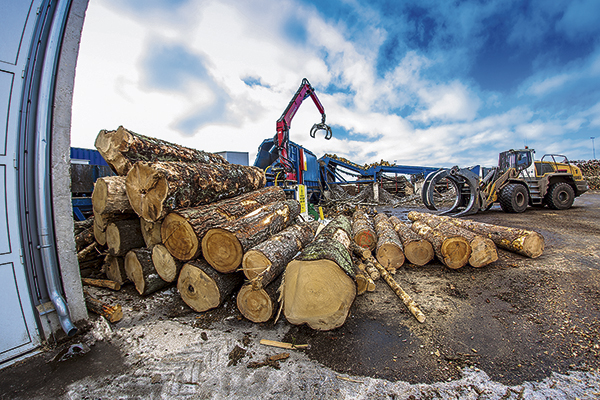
pixel 517 181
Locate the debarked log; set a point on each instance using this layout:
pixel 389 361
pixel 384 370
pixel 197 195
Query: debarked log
pixel 123 148
pixel 140 270
pixel 155 189
pixel 202 288
pixel 182 230
pixel 418 251
pixel 224 247
pixel 319 286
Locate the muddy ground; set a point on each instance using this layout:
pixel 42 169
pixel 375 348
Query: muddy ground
pixel 519 326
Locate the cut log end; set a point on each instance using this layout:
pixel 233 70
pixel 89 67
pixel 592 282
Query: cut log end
pixel 366 239
pixel 134 271
pixel 318 293
pixel 456 252
pixel 197 289
pixel 390 256
pixel 483 252
pixel 146 189
pixel 222 250
pixel 166 266
pixel 179 238
pixel 419 252
pixel 254 263
pixel 255 305
pixel 533 245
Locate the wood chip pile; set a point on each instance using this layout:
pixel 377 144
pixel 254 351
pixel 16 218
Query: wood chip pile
pixel 175 215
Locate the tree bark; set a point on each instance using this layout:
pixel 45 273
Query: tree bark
pixel 109 196
pixel 483 250
pixel 115 269
pixel 151 232
pixel 123 148
pixel 258 303
pixel 202 288
pixel 389 249
pixel 406 299
pixel 167 267
pixel 102 220
pixel 124 235
pixel 267 260
pixel 155 189
pixel 319 285
pixel 452 251
pixel 417 250
pixel 140 270
pixel 224 247
pixel 362 230
pixel 521 241
pixel 84 239
pixel 113 313
pixel 182 230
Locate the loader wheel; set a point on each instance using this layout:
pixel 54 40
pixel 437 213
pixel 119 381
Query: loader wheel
pixel 560 196
pixel 514 198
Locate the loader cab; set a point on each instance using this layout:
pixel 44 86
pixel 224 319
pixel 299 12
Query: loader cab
pixel 517 159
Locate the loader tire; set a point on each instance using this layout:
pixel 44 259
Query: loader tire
pixel 514 198
pixel 560 196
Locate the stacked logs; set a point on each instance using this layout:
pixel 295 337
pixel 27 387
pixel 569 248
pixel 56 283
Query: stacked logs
pixel 590 170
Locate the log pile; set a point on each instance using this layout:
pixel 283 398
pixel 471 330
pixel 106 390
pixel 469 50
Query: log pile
pixel 177 216
pixel 590 169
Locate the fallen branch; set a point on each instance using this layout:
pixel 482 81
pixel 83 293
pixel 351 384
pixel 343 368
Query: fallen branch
pixel 283 345
pixel 104 283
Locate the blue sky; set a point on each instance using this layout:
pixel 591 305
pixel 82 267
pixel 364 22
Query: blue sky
pixel 436 83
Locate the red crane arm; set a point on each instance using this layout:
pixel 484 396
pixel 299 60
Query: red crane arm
pixel 284 122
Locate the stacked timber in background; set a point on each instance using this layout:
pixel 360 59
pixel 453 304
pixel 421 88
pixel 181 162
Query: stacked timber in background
pixel 590 170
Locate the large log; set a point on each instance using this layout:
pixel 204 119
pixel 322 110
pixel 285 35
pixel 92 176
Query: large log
pixel 258 303
pixel 151 232
pixel 182 230
pixel 109 196
pixel 140 270
pixel 418 251
pixel 389 251
pixel 123 148
pixel 167 267
pixel 363 232
pixel 202 288
pixel 155 189
pixel 124 235
pixel 483 249
pixel 521 241
pixel 224 247
pixel 115 269
pixel 452 251
pixel 267 260
pixel 319 285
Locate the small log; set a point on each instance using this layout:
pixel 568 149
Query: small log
pixel 151 232
pixel 267 260
pixel 155 189
pixel 370 281
pixel 452 251
pixel 521 241
pixel 405 297
pixel 483 250
pixel 418 251
pixel 109 196
pixel 360 278
pixel 362 230
pixel 115 269
pixel 166 266
pixel 319 286
pixel 140 270
pixel 88 252
pixel 224 247
pixel 84 238
pixel 124 235
pixel 113 313
pixel 389 249
pixel 202 288
pixel 123 148
pixel 103 283
pixel 258 303
pixel 182 230
pixel 80 226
